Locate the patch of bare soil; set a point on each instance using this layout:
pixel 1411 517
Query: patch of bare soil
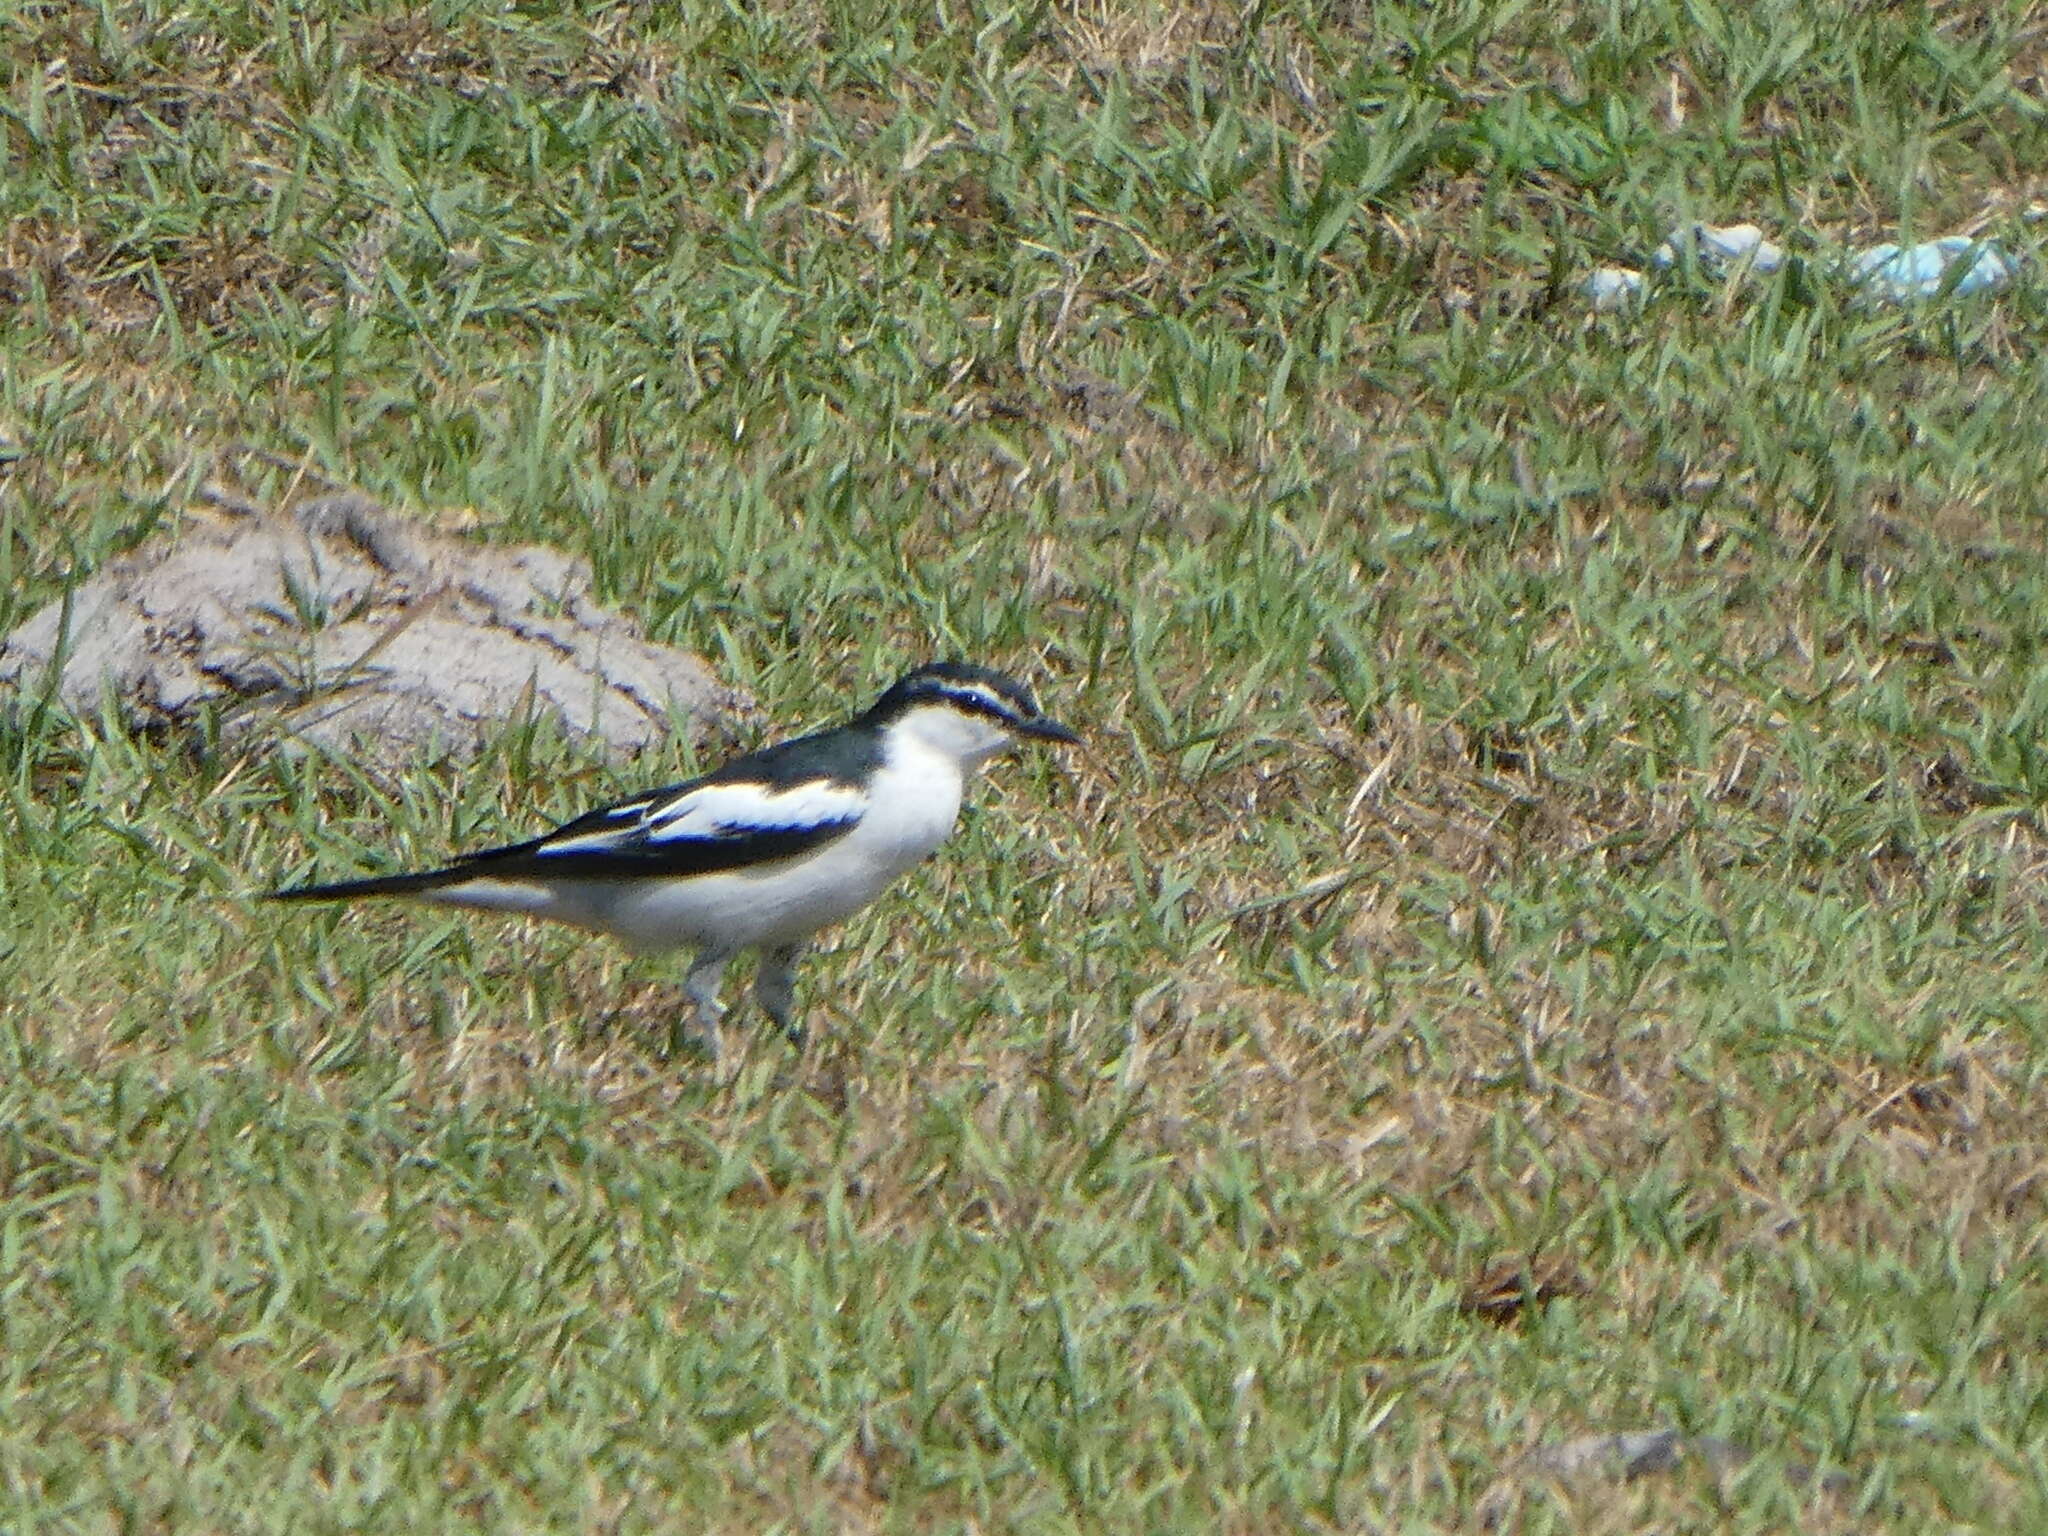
pixel 344 626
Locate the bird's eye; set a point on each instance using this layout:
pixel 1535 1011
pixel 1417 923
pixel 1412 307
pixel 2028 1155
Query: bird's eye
pixel 982 704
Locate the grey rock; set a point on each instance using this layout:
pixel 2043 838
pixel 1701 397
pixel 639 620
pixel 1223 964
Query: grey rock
pixel 343 626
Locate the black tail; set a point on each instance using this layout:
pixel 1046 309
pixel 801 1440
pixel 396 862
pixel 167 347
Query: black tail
pixel 377 885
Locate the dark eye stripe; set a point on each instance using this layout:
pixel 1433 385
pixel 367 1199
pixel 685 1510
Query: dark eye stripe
pixel 977 702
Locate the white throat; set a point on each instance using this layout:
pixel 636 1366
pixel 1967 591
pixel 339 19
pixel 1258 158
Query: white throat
pixel 939 729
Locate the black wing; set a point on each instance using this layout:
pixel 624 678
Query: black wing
pixel 767 806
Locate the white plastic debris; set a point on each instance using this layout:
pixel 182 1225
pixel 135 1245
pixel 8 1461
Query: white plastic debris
pixel 1919 271
pixel 1717 245
pixel 1888 273
pixel 1612 287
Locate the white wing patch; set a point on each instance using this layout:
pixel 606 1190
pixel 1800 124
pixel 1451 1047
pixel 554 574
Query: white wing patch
pixel 730 810
pixel 712 812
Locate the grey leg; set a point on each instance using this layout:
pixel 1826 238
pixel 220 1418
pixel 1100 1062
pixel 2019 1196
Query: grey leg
pixel 706 972
pixel 775 986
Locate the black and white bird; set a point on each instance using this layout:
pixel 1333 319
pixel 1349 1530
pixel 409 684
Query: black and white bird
pixel 759 854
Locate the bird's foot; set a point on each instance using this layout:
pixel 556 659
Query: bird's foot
pixel 775 986
pixel 704 1011
pixel 698 1037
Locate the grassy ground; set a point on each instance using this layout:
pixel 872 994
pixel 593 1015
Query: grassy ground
pixel 1568 798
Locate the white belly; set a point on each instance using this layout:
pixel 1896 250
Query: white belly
pixel 778 904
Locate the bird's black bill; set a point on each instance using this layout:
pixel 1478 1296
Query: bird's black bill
pixel 1048 730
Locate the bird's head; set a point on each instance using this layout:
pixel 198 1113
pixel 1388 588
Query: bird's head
pixel 969 712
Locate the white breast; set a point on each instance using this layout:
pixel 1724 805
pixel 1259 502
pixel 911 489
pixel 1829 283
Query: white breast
pixel 912 804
